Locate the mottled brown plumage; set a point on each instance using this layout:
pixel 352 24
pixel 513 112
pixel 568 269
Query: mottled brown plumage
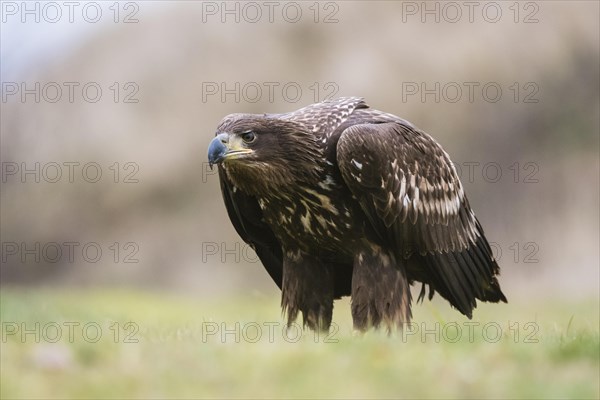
pixel 340 199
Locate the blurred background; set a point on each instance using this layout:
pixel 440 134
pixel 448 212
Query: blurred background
pixel 108 109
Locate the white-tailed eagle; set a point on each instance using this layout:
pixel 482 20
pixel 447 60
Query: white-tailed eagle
pixel 340 199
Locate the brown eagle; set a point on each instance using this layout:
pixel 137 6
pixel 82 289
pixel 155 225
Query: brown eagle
pixel 340 199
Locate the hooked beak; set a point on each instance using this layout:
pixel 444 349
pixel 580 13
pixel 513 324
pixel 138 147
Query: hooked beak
pixel 221 149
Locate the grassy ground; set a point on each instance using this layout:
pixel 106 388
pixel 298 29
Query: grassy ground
pixel 116 344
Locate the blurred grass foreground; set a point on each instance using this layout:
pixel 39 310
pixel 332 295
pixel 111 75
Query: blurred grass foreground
pixel 118 344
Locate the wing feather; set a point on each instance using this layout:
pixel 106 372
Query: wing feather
pixel 410 190
pixel 246 217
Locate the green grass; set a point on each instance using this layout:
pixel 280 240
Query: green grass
pixel 173 353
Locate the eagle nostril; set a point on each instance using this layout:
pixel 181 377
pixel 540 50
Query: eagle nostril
pixel 223 138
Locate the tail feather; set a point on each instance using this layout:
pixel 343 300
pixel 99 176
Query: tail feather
pixel 462 277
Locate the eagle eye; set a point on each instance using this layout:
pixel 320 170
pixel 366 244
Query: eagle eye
pixel 248 137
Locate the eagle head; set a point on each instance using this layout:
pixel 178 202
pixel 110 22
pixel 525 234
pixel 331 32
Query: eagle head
pixel 264 151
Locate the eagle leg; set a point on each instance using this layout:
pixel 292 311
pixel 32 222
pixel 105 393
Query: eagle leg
pixel 308 287
pixel 380 290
